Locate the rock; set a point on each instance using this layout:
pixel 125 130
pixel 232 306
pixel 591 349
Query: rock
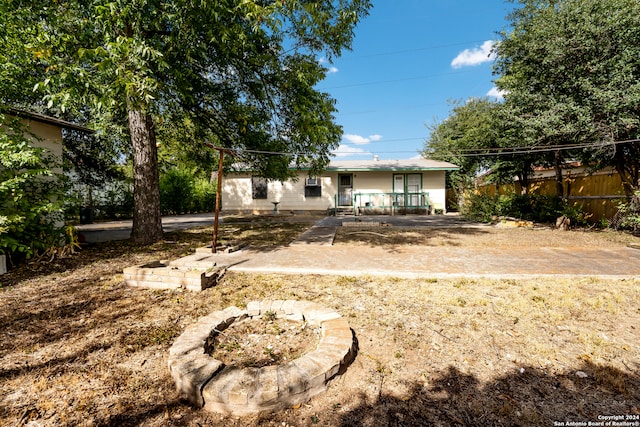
pixel 563 223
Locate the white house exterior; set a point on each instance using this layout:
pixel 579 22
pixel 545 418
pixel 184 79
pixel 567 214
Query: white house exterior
pixel 45 131
pixel 359 186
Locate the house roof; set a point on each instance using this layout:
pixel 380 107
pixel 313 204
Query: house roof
pixel 390 165
pixel 373 165
pixel 47 119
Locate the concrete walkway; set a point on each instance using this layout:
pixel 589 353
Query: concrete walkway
pixel 121 230
pixel 313 253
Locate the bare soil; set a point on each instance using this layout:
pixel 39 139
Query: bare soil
pixel 79 347
pixel 262 341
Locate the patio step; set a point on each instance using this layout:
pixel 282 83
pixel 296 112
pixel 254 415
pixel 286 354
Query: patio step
pixel 165 275
pixel 345 211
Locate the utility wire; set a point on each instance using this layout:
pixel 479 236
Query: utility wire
pixel 529 150
pixel 460 153
pixel 418 49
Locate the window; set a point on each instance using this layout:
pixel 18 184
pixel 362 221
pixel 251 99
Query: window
pixel 313 182
pixel 313 187
pixel 258 187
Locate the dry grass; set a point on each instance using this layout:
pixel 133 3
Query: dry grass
pixel 483 236
pixel 78 347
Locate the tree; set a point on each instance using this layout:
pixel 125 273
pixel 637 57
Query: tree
pixel 473 137
pixel 241 73
pixel 571 74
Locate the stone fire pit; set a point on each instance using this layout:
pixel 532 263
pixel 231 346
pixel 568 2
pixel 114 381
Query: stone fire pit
pixel 207 382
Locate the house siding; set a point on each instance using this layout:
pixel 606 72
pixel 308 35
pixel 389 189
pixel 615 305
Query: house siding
pixel 237 192
pixel 237 195
pixel 47 136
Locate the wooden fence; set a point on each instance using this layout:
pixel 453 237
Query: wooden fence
pixel 598 195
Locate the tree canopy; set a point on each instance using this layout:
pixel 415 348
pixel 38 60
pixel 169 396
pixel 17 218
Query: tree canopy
pixel 571 73
pixel 238 74
pixel 571 77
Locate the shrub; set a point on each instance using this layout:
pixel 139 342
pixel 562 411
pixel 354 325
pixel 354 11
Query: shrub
pixel 204 195
pixel 628 215
pixel 181 192
pixel 480 206
pixel 176 191
pixel 485 207
pixel 30 195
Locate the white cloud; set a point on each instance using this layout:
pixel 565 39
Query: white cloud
pixel 330 70
pixel 496 93
pixel 361 140
pixel 475 56
pixel 345 150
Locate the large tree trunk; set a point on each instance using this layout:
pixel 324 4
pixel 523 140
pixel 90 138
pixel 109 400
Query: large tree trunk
pixel 147 223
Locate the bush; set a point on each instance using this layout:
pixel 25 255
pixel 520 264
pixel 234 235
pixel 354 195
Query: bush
pixel 480 206
pixel 204 196
pixel 30 195
pixel 176 191
pixel 485 207
pixel 182 192
pixel 628 215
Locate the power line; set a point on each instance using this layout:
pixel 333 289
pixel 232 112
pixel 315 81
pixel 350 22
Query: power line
pixel 460 153
pixel 543 149
pixel 418 49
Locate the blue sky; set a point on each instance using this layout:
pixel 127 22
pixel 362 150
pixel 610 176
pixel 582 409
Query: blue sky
pixel 410 58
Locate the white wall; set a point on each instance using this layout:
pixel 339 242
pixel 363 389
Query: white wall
pixel 237 193
pixel 434 183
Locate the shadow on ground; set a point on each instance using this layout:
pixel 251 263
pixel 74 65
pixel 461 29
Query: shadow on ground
pixel 525 397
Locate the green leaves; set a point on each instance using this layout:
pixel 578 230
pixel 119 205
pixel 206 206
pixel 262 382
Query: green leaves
pixel 571 72
pixel 28 216
pixel 241 73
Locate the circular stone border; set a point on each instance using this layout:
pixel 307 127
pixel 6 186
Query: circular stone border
pixel 208 383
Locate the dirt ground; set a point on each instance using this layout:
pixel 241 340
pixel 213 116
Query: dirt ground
pixel 79 347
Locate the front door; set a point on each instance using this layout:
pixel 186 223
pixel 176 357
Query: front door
pixel 398 190
pixel 345 190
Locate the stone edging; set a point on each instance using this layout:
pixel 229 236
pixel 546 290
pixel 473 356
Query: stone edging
pixel 208 383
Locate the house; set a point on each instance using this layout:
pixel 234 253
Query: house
pixel 352 186
pixel 46 131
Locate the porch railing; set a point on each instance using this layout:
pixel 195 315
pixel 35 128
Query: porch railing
pixel 389 203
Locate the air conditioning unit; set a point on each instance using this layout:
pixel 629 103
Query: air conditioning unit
pixel 312 182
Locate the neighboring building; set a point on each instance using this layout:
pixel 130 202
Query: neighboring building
pixel 353 186
pixel 46 130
